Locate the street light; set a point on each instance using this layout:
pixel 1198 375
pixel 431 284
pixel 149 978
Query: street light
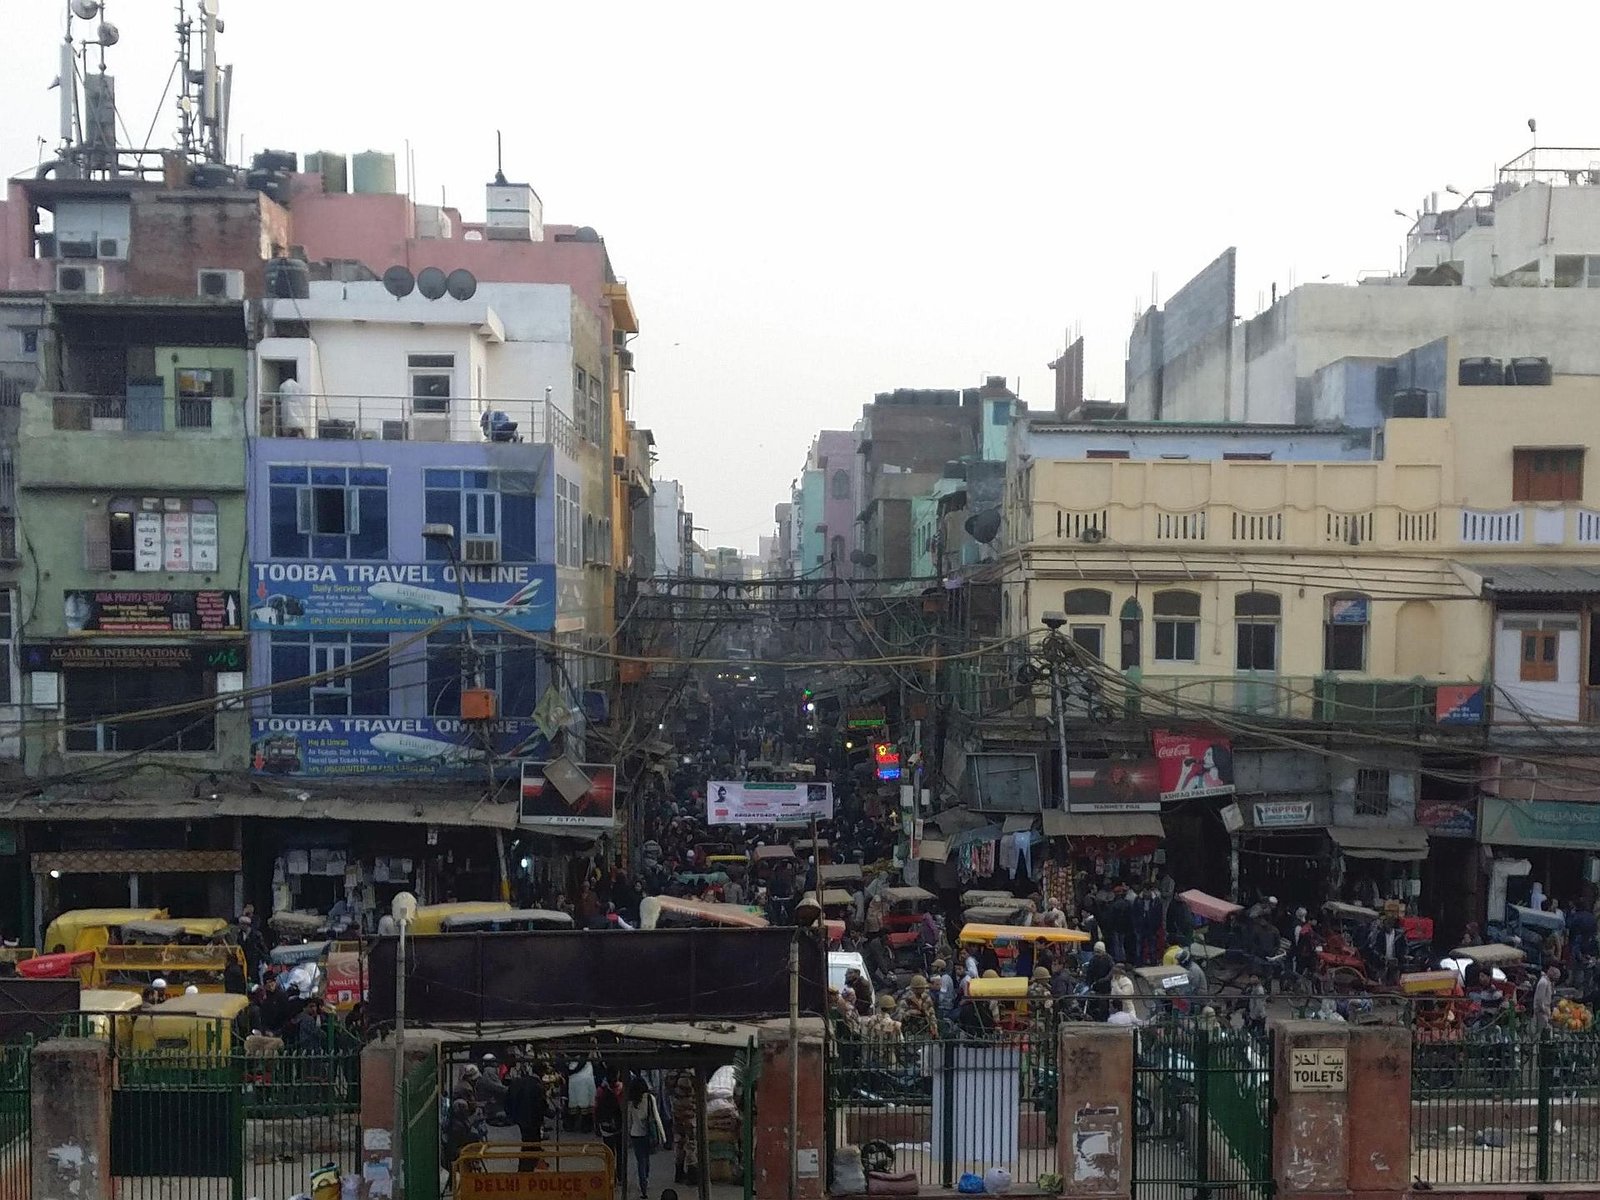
pixel 403 908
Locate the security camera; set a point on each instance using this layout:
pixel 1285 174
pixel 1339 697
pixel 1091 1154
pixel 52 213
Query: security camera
pixel 1053 620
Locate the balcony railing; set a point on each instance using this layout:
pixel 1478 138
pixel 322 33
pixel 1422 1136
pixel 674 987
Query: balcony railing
pixel 132 414
pixel 1325 699
pixel 415 419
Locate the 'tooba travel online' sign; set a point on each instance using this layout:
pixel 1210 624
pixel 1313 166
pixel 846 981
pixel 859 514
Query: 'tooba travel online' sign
pixel 398 597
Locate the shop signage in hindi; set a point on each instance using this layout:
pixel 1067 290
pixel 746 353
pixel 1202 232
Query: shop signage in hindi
pixel 115 611
pixel 1458 704
pixel 398 597
pixel 593 808
pixel 1447 818
pixel 93 656
pixel 1281 814
pixel 1317 1069
pixel 389 747
pixel 1193 764
pixel 745 802
pixel 1113 785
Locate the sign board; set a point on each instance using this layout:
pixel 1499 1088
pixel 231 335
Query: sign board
pixel 1317 1069
pixel 411 747
pixel 1280 814
pixel 92 656
pixel 1458 704
pixel 1448 818
pixel 1113 786
pixel 1232 818
pixel 151 612
pixel 886 757
pixel 865 718
pixel 592 1184
pixel 395 597
pixel 1347 610
pixel 1193 764
pixel 595 808
pixel 741 802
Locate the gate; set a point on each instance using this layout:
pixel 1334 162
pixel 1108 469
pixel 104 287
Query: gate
pixel 1202 1111
pixel 944 1107
pixel 16 1106
pixel 419 1104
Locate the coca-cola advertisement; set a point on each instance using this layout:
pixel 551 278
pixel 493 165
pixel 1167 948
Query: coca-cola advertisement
pixel 1193 764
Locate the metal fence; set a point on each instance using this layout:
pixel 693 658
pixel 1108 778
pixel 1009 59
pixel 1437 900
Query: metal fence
pixel 1202 1111
pixel 419 1103
pixel 1493 1106
pixel 222 1124
pixel 941 1108
pixel 16 1111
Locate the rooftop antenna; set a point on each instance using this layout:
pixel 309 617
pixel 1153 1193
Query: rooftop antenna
pixel 499 159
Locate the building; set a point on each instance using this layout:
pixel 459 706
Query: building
pixel 672 535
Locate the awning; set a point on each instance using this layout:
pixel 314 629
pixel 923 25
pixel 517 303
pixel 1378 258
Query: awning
pixel 424 810
pixel 1511 579
pixel 1018 823
pixel 952 821
pixel 130 862
pixel 932 850
pixel 1102 825
pixel 1563 825
pixel 1404 844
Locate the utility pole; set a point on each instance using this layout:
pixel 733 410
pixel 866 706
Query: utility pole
pixel 1053 621
pixel 403 908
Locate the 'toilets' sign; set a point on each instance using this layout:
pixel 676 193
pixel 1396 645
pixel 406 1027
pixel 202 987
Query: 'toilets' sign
pixel 1317 1069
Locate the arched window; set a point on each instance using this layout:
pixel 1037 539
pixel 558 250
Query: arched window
pixel 1177 620
pixel 841 485
pixel 1344 632
pixel 1255 618
pixel 588 537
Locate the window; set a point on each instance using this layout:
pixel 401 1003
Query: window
pixel 1255 616
pixel 509 666
pixel 431 377
pixel 1344 634
pixel 1090 637
pixel 1372 792
pixel 296 656
pixel 841 485
pixel 589 554
pixel 93 694
pixel 1248 456
pixel 1177 618
pixel 569 526
pixel 155 534
pixel 328 512
pixel 580 407
pixel 494 507
pixel 1547 474
pixel 1106 454
pixel 1087 602
pixel 197 387
pixel 597 420
pixel 1540 656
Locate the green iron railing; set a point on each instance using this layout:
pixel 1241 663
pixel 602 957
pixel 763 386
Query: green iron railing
pixel 16 1107
pixel 419 1100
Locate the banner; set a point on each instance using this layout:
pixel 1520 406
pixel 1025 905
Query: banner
pixel 1113 785
pixel 1448 818
pixel 392 747
pixel 98 656
pixel 135 612
pixel 542 804
pixel 742 802
pixel 398 597
pixel 1193 764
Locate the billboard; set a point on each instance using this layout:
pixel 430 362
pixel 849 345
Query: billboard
pixel 741 802
pixel 410 747
pixel 151 612
pixel 398 597
pixel 1113 785
pixel 1193 764
pixel 543 804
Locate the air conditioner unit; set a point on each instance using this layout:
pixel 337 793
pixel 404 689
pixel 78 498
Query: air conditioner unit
pixel 619 464
pixel 480 550
pixel 215 283
pixel 76 248
pixel 430 429
pixel 112 248
pixel 396 431
pixel 82 280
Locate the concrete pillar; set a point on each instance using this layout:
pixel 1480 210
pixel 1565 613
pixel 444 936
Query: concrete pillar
pixel 70 1144
pixel 1310 1129
pixel 1095 1115
pixel 377 1108
pixel 772 1141
pixel 1380 1109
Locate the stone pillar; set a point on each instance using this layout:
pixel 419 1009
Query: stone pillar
pixel 70 1155
pixel 377 1108
pixel 1095 1117
pixel 772 1145
pixel 1380 1109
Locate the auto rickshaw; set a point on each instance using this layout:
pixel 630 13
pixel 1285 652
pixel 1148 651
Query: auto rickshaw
pixel 172 931
pixel 1007 939
pixel 518 920
pixel 189 1025
pixel 817 846
pixel 91 928
pixel 764 859
pixel 136 968
pixel 848 876
pixel 1008 998
pixel 429 918
pixel 903 907
pixel 669 912
pixel 1159 989
pixel 106 1013
pixel 1439 1005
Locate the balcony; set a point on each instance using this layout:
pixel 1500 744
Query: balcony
pixel 76 440
pixel 333 417
pixel 143 414
pixel 1324 699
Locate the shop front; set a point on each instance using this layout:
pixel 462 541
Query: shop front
pixel 1373 864
pixel 1557 843
pixel 190 883
pixel 1110 832
pixel 1284 851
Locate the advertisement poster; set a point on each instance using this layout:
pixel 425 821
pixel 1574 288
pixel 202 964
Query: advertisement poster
pixel 97 656
pixel 1193 764
pixel 1458 704
pixel 542 804
pixel 738 802
pixel 398 597
pixel 155 612
pixel 1448 818
pixel 1113 785
pixel 412 747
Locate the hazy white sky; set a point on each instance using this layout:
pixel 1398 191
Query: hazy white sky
pixel 813 203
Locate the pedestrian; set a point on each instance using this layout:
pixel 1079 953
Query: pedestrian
pixel 459 1132
pixel 1121 989
pixel 1544 999
pixel 527 1104
pixel 944 988
pixel 1097 974
pixel 644 1131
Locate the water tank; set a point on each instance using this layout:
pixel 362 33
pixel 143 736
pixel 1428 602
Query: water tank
pixel 1529 372
pixel 1480 372
pixel 373 173
pixel 275 160
pixel 333 167
pixel 288 279
pixel 1409 402
pixel 273 184
pixel 213 175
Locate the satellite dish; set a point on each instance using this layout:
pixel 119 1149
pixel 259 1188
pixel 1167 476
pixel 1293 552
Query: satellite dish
pixel 404 905
pixel 398 281
pixel 107 34
pixel 431 282
pixel 86 10
pixel 461 284
pixel 983 526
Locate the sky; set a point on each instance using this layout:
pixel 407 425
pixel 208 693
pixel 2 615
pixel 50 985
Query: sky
pixel 813 203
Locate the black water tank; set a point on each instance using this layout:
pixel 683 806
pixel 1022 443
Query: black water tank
pixel 288 279
pixel 1480 372
pixel 213 175
pixel 276 160
pixel 1529 372
pixel 1409 402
